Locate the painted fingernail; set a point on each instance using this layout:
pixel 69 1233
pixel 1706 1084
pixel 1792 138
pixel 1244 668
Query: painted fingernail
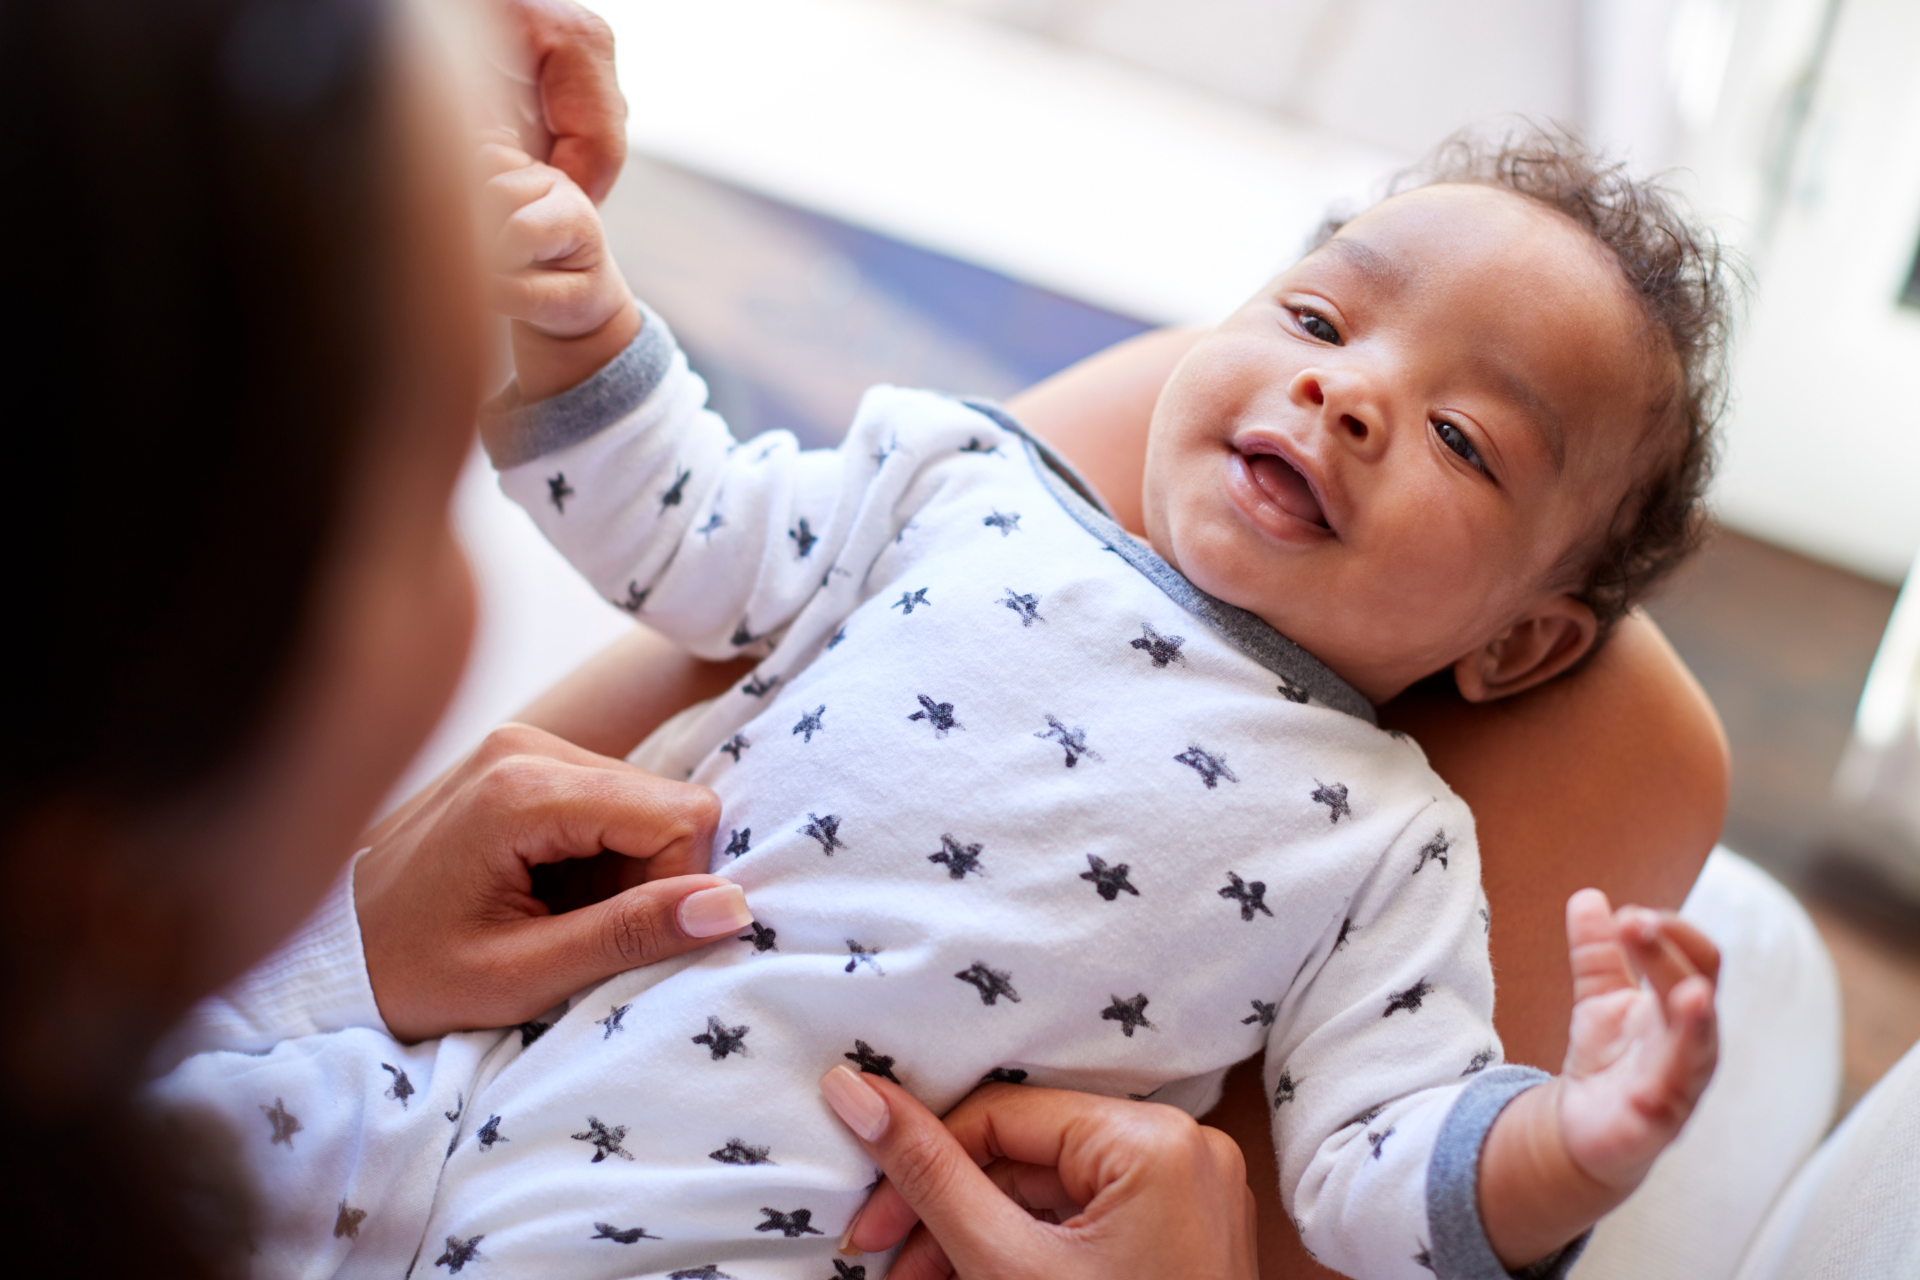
pixel 858 1104
pixel 711 912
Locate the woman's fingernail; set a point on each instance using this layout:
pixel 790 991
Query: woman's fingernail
pixel 711 912
pixel 845 1246
pixel 857 1103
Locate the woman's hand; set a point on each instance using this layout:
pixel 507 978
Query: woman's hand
pixel 1072 1185
pixel 456 895
pixel 573 88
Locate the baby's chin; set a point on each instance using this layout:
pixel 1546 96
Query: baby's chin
pixel 1218 564
pixel 1215 556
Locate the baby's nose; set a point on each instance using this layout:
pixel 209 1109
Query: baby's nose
pixel 1310 387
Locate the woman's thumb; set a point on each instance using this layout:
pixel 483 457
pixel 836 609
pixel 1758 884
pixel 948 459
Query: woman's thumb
pixel 930 1175
pixel 645 924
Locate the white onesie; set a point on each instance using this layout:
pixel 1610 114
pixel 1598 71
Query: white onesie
pixel 1010 799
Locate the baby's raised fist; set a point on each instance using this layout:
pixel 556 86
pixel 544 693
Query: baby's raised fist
pixel 551 273
pixel 549 253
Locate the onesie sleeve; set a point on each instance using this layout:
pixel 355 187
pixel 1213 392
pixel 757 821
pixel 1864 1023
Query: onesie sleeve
pixel 340 1137
pixel 315 982
pixel 719 544
pixel 1384 1070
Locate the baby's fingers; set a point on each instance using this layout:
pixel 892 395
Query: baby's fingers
pixel 1695 945
pixel 558 229
pixel 1599 961
pixel 559 303
pixel 1617 1120
pixel 500 152
pixel 514 188
pixel 1691 1047
pixel 1668 950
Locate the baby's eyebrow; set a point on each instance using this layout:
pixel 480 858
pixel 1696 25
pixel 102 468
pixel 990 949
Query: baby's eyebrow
pixel 1536 410
pixel 1379 268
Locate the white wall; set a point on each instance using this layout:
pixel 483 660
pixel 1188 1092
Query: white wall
pixel 1396 73
pixel 1061 167
pixel 1401 74
pixel 1823 447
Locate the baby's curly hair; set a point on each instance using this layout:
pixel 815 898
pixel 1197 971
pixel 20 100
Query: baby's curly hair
pixel 1686 282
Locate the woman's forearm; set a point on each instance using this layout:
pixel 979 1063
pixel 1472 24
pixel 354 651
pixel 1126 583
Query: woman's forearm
pixel 1614 777
pixel 626 691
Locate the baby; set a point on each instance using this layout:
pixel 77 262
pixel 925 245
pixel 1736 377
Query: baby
pixel 1016 796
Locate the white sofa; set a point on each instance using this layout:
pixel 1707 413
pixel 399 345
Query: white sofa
pixel 1852 1212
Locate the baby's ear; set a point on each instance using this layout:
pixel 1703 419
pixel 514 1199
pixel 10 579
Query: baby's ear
pixel 1552 636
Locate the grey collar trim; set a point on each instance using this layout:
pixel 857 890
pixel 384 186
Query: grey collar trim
pixel 1303 675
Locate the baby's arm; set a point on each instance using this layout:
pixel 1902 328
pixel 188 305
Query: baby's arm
pixel 340 1139
pixel 725 550
pixel 1560 1156
pixel 1405 1148
pixel 1383 1070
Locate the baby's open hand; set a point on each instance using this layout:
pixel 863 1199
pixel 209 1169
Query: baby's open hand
pixel 1637 1059
pixel 552 273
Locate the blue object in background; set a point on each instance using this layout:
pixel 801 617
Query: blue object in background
pixel 1032 332
pixel 789 314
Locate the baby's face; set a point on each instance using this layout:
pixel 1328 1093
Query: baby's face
pixel 1390 451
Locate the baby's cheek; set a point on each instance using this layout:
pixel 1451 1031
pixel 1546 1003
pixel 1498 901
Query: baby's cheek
pixel 1437 597
pixel 1186 525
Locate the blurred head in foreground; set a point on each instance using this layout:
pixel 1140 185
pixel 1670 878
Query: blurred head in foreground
pixel 245 365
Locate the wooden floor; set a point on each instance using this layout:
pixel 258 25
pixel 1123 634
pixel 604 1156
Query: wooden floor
pixel 790 316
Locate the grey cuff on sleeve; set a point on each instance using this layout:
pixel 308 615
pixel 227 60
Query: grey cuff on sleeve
pixel 1460 1250
pixel 516 433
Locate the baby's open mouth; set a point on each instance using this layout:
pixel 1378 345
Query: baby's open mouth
pixel 1285 487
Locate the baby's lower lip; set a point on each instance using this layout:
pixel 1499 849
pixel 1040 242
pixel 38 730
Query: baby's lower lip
pixel 1258 499
pixel 1285 487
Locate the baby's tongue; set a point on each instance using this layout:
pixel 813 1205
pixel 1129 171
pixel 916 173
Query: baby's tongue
pixel 1287 487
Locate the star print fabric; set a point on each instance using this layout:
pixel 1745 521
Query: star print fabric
pixel 1195 768
pixel 1013 844
pixel 318 1130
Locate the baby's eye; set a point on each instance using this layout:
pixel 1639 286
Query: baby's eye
pixel 1456 439
pixel 1318 326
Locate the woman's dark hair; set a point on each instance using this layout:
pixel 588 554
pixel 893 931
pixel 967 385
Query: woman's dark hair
pixel 1685 282
pixel 193 223
pixel 194 220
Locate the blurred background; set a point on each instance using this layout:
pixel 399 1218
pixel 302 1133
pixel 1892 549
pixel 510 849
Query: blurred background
pixel 971 194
